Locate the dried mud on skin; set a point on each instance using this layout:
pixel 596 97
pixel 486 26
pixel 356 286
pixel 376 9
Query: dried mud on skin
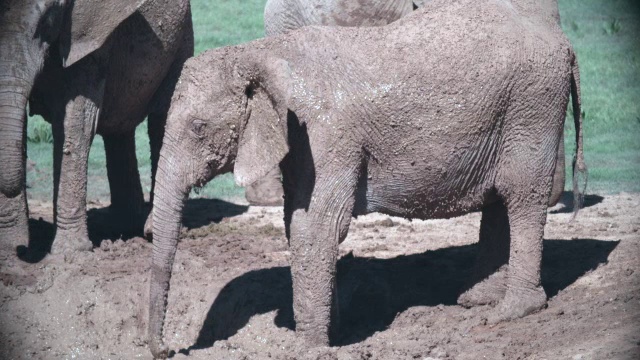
pixel 398 281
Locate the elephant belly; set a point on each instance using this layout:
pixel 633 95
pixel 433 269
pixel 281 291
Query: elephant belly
pixel 434 192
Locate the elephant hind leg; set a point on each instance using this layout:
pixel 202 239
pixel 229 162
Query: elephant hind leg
pixel 524 293
pixel 559 175
pixel 127 199
pixel 487 284
pixel 525 190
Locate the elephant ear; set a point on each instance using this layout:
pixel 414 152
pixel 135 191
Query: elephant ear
pixel 88 24
pixel 263 138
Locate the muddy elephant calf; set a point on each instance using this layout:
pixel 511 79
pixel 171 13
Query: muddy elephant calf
pixel 456 108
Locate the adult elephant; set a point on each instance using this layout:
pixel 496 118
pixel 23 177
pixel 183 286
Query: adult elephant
pixel 456 108
pixel 281 16
pixel 86 66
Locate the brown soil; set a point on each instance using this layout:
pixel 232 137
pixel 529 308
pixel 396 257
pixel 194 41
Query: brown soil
pixel 230 296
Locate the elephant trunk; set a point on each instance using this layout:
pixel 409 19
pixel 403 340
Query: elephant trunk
pixel 171 193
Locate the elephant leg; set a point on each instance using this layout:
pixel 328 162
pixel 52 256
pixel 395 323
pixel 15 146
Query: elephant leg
pixel 317 220
pixel 267 191
pixel 525 188
pixel 14 211
pixel 524 293
pixel 14 222
pixel 72 141
pixel 127 199
pixel 487 284
pixel 559 175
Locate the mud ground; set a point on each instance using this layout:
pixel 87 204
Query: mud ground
pixel 398 281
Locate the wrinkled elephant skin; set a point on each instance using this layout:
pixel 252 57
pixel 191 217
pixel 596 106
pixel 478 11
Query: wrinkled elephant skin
pixel 281 16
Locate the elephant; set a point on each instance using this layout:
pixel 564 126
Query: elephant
pixel 455 108
pixel 281 16
pixel 88 67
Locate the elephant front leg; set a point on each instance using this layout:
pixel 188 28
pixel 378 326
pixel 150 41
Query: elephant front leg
pixel 127 199
pixel 316 228
pixel 14 214
pixel 487 284
pixel 72 141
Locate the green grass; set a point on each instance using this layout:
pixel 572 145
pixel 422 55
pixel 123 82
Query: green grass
pixel 604 35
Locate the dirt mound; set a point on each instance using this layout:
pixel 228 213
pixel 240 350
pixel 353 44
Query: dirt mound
pixel 398 282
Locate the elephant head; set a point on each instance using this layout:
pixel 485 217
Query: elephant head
pixel 30 31
pixel 228 113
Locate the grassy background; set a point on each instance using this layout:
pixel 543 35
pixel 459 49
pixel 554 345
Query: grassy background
pixel 605 34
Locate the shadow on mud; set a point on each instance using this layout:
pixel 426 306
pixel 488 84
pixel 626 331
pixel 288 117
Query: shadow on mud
pixel 373 291
pixel 565 204
pixel 105 226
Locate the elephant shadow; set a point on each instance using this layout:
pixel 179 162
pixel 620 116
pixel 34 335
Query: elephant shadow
pixel 197 213
pixel 565 204
pixel 371 291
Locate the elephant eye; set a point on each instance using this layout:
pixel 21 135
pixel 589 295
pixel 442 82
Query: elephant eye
pixel 198 126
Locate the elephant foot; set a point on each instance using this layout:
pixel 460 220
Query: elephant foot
pixel 318 353
pixel 158 349
pixel 267 191
pixel 67 241
pixel 314 333
pixel 486 292
pixel 14 223
pixel 518 305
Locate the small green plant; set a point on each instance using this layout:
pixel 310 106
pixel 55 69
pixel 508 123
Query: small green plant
pixel 612 26
pixel 39 131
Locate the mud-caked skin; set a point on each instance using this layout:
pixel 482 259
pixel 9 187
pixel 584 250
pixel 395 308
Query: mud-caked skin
pixel 455 108
pixel 88 67
pixel 281 16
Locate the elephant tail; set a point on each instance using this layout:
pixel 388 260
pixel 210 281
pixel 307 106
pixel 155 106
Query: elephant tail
pixel 579 167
